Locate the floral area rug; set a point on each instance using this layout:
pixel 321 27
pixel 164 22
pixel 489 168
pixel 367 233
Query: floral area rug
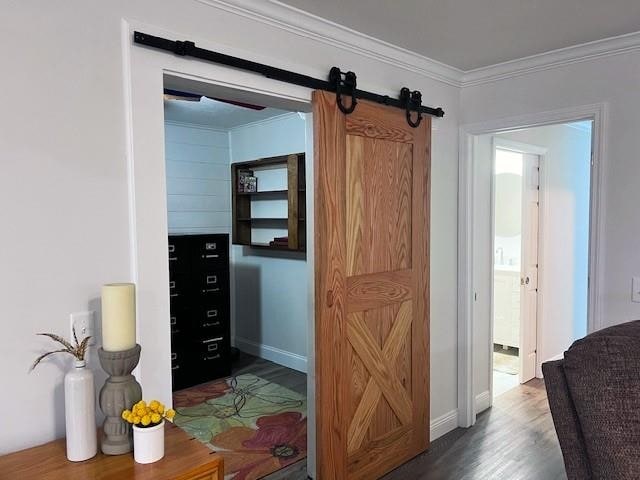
pixel 257 426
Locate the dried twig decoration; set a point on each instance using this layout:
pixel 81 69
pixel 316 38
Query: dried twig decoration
pixel 78 350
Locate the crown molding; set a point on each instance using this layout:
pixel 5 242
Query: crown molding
pixel 553 59
pixel 307 25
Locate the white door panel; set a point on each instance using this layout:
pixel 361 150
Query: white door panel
pixel 529 269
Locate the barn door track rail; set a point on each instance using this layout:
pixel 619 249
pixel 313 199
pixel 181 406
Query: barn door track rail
pixel 343 84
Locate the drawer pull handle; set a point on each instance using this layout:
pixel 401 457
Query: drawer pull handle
pixel 172 321
pixel 214 324
pixel 211 246
pixel 212 313
pixel 173 258
pixel 211 256
pixel 172 248
pixel 172 284
pixel 208 290
pixel 174 356
pixel 215 357
pixel 212 348
pixel 176 367
pixel 212 279
pixel 174 295
pixel 212 340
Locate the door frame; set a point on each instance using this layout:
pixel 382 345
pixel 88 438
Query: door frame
pixel 144 74
pixel 524 148
pixel 597 113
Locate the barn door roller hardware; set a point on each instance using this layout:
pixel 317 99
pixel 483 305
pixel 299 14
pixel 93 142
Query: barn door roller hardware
pixel 342 84
pixel 412 102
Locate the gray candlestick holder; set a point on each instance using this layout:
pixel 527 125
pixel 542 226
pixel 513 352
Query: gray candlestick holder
pixel 120 392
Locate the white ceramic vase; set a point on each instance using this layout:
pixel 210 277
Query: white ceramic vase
pixel 148 443
pixel 80 413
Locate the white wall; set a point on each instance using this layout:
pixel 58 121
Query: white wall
pixel 609 79
pixel 270 294
pixel 564 250
pixel 66 190
pixel 198 179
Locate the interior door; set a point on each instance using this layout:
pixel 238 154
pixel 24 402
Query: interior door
pixel 372 181
pixel 529 270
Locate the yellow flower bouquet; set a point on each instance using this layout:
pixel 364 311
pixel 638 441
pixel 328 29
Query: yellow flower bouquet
pixel 144 415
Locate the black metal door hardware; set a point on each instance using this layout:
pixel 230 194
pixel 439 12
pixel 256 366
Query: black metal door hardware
pixel 342 84
pixel 412 102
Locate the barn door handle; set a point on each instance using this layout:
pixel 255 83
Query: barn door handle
pixel 346 85
pixel 330 298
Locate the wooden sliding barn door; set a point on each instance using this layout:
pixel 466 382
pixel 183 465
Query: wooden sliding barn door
pixel 372 187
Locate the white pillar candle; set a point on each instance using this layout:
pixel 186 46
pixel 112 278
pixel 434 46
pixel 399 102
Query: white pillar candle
pixel 118 316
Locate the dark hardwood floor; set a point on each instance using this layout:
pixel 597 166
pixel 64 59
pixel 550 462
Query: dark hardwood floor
pixel 272 372
pixel 514 440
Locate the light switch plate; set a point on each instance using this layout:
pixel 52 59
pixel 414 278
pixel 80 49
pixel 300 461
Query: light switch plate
pixel 84 323
pixel 635 289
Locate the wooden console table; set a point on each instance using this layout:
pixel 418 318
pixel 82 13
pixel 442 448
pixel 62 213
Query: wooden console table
pixel 185 459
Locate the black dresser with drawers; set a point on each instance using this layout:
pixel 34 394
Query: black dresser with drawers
pixel 199 295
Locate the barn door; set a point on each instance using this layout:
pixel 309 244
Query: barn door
pixel 372 187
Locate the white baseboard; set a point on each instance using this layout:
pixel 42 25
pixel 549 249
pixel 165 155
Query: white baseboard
pixel 443 424
pixel 281 357
pixel 539 374
pixel 483 401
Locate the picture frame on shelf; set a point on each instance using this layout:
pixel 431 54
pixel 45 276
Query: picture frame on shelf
pixel 247 182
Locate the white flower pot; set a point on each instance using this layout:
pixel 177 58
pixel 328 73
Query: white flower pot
pixel 80 413
pixel 148 443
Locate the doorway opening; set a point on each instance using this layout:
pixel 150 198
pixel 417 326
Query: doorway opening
pixel 508 227
pixel 516 195
pixel 539 248
pixel 239 283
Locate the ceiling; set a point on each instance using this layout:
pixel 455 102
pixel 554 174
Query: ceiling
pixel 469 34
pixel 215 114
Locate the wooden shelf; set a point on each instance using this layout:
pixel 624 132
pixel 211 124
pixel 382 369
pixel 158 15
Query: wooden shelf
pixel 263 219
pixel 271 247
pixel 267 193
pixel 244 222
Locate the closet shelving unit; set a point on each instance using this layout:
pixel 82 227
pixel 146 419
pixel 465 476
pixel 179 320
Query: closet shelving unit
pixel 244 223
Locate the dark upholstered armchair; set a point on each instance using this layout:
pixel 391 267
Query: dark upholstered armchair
pixel 594 395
